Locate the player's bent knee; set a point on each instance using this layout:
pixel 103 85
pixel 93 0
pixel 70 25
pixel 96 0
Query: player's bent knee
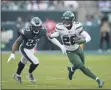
pixel 80 66
pixel 36 62
pixel 24 61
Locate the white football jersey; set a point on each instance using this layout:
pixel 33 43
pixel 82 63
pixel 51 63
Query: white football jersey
pixel 68 36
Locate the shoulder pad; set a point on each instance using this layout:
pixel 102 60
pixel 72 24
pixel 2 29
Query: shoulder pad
pixel 22 31
pixel 25 32
pixel 78 25
pixel 59 26
pixel 27 29
pixel 43 27
pixel 43 30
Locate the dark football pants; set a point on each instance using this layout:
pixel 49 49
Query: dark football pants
pixel 77 59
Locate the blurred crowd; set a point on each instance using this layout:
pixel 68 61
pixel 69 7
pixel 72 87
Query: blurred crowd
pixel 36 5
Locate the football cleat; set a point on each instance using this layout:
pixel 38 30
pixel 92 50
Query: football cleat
pixel 71 73
pixel 31 78
pixel 100 83
pixel 18 78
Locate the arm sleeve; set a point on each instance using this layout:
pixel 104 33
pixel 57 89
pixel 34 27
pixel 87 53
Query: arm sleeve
pixel 24 33
pixel 56 42
pixel 86 36
pixel 79 28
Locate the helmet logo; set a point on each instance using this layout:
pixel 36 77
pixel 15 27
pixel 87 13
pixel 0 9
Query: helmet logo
pixel 36 21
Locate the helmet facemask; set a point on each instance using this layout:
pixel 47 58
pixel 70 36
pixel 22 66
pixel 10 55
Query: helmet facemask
pixel 36 29
pixel 67 22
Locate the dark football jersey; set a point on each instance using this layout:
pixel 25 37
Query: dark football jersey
pixel 30 39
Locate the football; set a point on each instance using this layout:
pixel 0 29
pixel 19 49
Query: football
pixel 79 38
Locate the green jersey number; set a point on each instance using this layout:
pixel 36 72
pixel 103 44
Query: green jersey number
pixel 69 40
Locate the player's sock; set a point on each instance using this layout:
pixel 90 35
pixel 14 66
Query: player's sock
pixel 18 75
pixel 32 67
pixel 97 78
pixel 73 68
pixel 20 68
pixel 87 72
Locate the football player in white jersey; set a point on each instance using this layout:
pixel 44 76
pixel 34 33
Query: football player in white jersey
pixel 72 35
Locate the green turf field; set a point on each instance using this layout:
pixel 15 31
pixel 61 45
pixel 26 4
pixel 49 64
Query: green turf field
pixel 52 73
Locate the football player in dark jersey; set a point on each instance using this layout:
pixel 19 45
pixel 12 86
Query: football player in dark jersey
pixel 28 39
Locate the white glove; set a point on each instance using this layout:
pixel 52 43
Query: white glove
pixel 63 50
pixel 12 56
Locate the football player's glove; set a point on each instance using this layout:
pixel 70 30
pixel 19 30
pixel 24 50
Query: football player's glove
pixel 12 56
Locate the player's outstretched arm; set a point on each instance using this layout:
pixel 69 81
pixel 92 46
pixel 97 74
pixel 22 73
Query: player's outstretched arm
pixel 16 43
pixel 56 42
pixel 14 47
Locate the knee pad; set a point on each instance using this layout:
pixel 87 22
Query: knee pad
pixel 23 60
pixel 35 62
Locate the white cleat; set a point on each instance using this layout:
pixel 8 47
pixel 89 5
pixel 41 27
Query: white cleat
pixel 17 78
pixel 31 78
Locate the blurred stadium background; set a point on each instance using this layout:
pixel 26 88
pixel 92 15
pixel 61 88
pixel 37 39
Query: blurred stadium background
pixel 17 14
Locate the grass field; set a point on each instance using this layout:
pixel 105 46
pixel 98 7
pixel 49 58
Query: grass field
pixel 52 72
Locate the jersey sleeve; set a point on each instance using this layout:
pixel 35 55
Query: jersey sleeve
pixel 79 27
pixel 57 31
pixel 25 32
pixel 86 36
pixel 58 27
pixel 22 32
pixel 44 30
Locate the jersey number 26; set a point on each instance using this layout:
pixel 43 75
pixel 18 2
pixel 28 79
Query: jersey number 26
pixel 69 40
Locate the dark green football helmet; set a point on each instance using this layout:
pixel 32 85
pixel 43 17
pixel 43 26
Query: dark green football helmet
pixel 36 24
pixel 68 18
